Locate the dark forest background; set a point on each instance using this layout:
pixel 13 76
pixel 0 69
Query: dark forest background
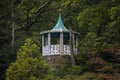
pixel 97 21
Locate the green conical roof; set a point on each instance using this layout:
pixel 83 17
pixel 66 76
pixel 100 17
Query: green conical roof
pixel 59 26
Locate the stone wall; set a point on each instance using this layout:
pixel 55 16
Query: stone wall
pixel 58 61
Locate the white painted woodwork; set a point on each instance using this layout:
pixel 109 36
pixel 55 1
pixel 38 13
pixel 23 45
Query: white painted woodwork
pixel 58 48
pixel 61 43
pixel 73 39
pixel 49 43
pixel 43 43
pixel 55 50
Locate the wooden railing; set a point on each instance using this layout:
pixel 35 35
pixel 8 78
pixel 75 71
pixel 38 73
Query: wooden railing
pixel 55 50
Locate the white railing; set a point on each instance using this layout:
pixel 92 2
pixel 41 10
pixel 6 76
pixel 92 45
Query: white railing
pixel 55 50
pixel 45 50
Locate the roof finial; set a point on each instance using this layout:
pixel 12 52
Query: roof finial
pixel 59 26
pixel 60 10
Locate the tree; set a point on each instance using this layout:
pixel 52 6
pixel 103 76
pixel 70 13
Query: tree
pixel 18 19
pixel 68 4
pixel 29 64
pixel 5 38
pixel 101 17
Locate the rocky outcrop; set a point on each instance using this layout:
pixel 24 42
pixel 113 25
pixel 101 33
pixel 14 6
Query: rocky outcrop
pixel 58 61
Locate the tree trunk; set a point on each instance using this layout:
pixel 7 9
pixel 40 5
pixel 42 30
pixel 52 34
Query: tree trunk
pixel 71 49
pixel 71 37
pixel 13 38
pixel 13 27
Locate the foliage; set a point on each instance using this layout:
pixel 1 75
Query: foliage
pixel 116 66
pixel 85 76
pixel 97 21
pixel 90 45
pixel 99 17
pixel 69 77
pixel 25 12
pixel 75 70
pixel 29 64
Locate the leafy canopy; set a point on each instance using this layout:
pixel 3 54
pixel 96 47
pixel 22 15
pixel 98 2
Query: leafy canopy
pixel 29 64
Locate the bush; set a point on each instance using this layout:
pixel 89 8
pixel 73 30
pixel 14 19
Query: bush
pixel 75 70
pixel 100 77
pixel 29 64
pixel 107 71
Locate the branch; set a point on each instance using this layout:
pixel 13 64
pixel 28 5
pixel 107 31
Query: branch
pixel 19 4
pixel 40 10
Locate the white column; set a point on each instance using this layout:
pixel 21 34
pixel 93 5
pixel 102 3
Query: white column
pixel 46 40
pixel 43 44
pixel 61 43
pixel 73 42
pixel 76 43
pixel 49 43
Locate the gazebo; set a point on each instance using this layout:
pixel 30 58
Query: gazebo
pixel 57 40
